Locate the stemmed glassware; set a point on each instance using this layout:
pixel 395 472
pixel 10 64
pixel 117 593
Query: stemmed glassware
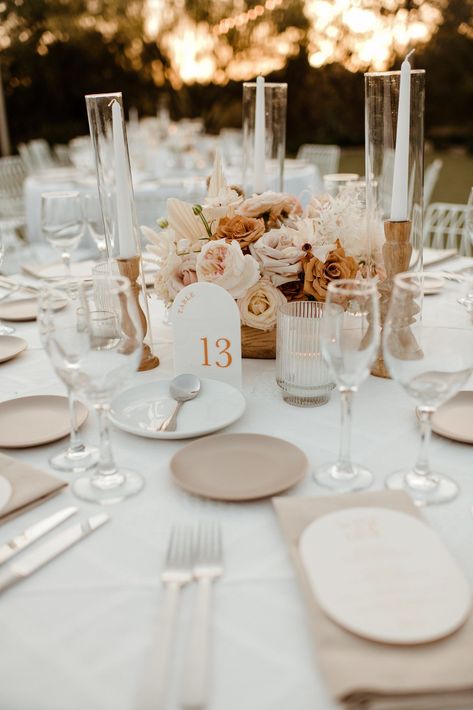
pixel 4 329
pixel 428 348
pixel 62 223
pixel 95 221
pixel 95 343
pixel 349 339
pixel 77 456
pixel 467 298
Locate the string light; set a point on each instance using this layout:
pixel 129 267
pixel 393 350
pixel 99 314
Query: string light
pixel 239 21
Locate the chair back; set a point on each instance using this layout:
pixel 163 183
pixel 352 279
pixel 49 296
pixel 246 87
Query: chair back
pixel 12 176
pixel 445 227
pixel 325 157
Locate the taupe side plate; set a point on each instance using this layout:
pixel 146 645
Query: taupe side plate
pixel 24 309
pixel 454 419
pixel 40 419
pixel 238 467
pixel 11 346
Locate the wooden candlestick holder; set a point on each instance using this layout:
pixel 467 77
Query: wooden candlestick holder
pixel 131 269
pixel 397 251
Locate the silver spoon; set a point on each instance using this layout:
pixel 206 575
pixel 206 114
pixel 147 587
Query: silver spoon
pixel 182 388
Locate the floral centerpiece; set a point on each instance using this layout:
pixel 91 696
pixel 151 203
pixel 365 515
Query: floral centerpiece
pixel 264 249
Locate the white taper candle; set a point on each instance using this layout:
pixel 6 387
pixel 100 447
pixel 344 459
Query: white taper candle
pixel 260 138
pixel 126 236
pixel 399 200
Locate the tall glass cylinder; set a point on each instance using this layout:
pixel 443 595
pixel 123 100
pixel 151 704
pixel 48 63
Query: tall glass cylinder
pixel 122 234
pixel 396 241
pixel 275 105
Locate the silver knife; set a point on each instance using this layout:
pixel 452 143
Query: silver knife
pixel 28 564
pixel 34 532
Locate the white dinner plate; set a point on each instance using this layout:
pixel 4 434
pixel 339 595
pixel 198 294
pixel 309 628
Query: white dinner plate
pixel 238 467
pixel 384 575
pixel 454 419
pixel 36 420
pixel 437 256
pixel 11 346
pixel 141 409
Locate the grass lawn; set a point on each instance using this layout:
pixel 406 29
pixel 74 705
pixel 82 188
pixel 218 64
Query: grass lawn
pixel 455 180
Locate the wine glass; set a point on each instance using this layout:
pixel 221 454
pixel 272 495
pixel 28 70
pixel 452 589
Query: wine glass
pixel 62 222
pixel 95 221
pixel 4 329
pixel 350 339
pixel 77 456
pixel 95 343
pixel 428 348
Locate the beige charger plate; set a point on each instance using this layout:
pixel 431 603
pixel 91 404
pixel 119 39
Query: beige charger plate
pixel 454 419
pixel 36 420
pixel 24 309
pixel 10 346
pixel 238 467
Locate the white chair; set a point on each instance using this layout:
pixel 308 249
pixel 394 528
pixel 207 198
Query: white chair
pixel 431 177
pixel 12 211
pixel 445 228
pixel 325 157
pixel 41 154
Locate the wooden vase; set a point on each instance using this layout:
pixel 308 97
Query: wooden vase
pixel 259 344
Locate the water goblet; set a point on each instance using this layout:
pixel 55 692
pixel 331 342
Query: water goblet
pixel 77 456
pixel 95 221
pixel 95 346
pixel 349 338
pixel 428 349
pixel 4 329
pixel 62 223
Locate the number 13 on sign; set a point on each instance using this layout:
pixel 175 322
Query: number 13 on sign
pixel 222 352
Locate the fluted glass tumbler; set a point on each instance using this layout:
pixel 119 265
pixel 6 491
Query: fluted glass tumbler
pixel 301 371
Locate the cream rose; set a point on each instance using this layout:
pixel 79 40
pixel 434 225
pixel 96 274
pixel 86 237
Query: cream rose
pixel 280 260
pixel 182 274
pixel 276 206
pixel 225 264
pixel 259 307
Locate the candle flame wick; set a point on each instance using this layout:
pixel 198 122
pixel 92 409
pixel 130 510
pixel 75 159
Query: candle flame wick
pixel 411 52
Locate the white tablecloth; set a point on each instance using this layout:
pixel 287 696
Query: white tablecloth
pixel 76 634
pixel 300 179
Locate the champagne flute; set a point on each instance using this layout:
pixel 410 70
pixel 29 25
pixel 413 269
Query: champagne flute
pixel 4 329
pixel 95 346
pixel 77 456
pixel 62 223
pixel 349 338
pixel 428 348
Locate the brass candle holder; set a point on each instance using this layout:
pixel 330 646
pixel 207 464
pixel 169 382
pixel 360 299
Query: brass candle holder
pixel 397 252
pixel 130 268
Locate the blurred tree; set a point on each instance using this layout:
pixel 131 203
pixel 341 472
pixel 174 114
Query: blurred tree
pixel 55 51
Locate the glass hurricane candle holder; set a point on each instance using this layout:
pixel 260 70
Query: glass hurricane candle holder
pixel 115 188
pixel 399 229
pixel 274 136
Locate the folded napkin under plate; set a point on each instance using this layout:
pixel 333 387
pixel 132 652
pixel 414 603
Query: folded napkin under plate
pixel 22 487
pixel 368 674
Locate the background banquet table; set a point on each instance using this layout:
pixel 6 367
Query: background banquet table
pixel 151 193
pixel 77 633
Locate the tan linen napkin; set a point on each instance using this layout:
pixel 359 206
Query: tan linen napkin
pixel 365 674
pixel 30 486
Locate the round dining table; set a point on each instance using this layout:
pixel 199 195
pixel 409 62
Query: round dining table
pixel 77 634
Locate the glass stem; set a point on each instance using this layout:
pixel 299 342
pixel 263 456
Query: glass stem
pixel 422 466
pixel 75 443
pixel 106 465
pixel 344 454
pixel 66 260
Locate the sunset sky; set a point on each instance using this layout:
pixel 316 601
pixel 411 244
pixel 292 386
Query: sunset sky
pixel 337 26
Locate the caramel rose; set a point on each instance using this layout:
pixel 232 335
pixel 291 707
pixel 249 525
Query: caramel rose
pixel 318 274
pixel 244 230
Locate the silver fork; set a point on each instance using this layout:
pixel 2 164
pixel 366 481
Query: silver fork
pixel 177 572
pixel 207 568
